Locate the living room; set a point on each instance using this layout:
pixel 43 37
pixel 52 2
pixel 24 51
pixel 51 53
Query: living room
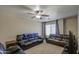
pixel 18 22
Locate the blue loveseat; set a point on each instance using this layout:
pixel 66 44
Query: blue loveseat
pixel 28 40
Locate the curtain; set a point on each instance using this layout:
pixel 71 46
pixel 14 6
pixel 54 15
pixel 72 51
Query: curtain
pixel 43 29
pixel 57 27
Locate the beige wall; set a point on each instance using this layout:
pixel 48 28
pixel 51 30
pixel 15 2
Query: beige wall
pixel 68 24
pixel 71 25
pixel 60 22
pixel 11 25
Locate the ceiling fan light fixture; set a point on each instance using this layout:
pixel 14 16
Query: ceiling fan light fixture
pixel 38 16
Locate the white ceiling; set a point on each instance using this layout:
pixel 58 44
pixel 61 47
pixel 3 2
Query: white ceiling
pixel 56 11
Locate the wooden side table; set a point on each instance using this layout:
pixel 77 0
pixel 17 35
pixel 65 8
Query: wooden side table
pixel 11 43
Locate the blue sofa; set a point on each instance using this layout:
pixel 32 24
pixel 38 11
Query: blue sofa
pixel 28 40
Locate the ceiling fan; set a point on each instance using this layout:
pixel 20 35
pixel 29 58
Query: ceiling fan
pixel 36 12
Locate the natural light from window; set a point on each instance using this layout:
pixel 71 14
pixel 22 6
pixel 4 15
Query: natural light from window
pixel 50 29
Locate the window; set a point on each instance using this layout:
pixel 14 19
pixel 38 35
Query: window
pixel 50 29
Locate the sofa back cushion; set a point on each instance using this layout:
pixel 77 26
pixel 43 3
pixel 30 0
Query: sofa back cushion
pixel 28 36
pixel 35 35
pixel 25 37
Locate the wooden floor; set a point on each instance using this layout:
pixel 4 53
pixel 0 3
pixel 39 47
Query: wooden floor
pixel 45 48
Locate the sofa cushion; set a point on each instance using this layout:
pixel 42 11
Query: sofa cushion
pixel 1 52
pixel 35 35
pixel 25 37
pixel 31 39
pixel 2 48
pixel 15 50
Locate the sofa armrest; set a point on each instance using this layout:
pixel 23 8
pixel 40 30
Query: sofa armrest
pixel 14 50
pixel 40 37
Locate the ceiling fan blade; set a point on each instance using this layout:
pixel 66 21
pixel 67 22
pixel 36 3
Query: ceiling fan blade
pixel 30 13
pixel 23 7
pixel 45 15
pixel 33 17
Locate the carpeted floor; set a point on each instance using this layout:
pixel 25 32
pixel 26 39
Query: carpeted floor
pixel 45 48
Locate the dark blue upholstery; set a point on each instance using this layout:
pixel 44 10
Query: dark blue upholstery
pixel 28 36
pixel 25 37
pixel 35 35
pixel 32 36
pixel 29 40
